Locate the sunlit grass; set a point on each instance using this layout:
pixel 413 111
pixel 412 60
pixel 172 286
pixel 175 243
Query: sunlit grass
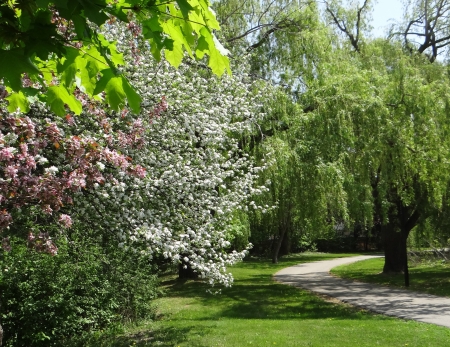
pixel 258 311
pixel 431 277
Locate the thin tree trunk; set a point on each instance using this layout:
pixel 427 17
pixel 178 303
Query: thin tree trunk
pixel 278 245
pixel 283 227
pixel 405 238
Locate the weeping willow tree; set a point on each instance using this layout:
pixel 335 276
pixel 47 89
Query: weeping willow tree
pixel 367 140
pixel 382 117
pixel 408 169
pixel 304 200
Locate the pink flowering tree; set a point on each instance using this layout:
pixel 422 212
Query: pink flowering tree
pixel 45 160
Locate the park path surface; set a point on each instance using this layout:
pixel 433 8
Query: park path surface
pixel 380 299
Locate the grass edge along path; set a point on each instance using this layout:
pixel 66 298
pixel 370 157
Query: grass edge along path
pixel 257 311
pixel 426 277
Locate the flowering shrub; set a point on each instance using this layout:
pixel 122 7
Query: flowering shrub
pixel 167 181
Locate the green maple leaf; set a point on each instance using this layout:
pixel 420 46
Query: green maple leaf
pixel 185 7
pixel 217 61
pixel 175 31
pixel 174 56
pixel 58 96
pixel 13 63
pixel 117 89
pixel 210 18
pixel 69 66
pixel 18 101
pixel 111 48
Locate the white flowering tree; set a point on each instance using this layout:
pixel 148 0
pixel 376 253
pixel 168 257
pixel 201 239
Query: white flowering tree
pixel 197 174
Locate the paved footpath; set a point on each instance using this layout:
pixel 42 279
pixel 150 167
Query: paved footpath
pixel 389 301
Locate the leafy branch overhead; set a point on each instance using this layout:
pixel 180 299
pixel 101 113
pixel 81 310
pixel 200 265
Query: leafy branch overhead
pixel 51 48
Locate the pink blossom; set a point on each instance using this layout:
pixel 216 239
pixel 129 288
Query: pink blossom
pixel 7 153
pixel 70 120
pixel 29 127
pixel 47 209
pixel 65 220
pixel 23 148
pixel 159 108
pixel 40 176
pixel 31 237
pixel 11 171
pixel 30 162
pixel 5 219
pixel 53 132
pixel 42 243
pixel 138 171
pixel 5 244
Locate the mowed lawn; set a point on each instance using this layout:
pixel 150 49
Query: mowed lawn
pixel 257 311
pixel 432 277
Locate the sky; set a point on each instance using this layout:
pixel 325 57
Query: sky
pixel 384 11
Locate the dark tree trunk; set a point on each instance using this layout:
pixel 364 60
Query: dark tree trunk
pixel 283 230
pixel 396 253
pixel 395 236
pixel 185 271
pixel 405 238
pixel 286 243
pixel 395 232
pixel 394 250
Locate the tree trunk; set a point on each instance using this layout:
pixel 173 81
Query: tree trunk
pixel 278 245
pixel 395 235
pixel 185 271
pixel 1 335
pixel 394 250
pixel 283 229
pixel 405 259
pixel 286 243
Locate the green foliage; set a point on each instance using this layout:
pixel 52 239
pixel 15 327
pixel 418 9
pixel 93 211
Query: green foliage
pixel 47 300
pixel 57 42
pixel 306 243
pixel 238 231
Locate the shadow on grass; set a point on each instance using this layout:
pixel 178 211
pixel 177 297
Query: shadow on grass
pixel 164 337
pixel 254 295
pixel 430 281
pixel 271 301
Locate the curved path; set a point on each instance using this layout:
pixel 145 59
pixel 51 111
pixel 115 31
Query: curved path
pixel 389 301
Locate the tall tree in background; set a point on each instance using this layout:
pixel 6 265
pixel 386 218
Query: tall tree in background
pixel 271 31
pixel 411 132
pixel 425 27
pixel 371 134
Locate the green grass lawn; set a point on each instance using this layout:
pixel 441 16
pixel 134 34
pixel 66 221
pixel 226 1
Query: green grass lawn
pixel 431 277
pixel 257 311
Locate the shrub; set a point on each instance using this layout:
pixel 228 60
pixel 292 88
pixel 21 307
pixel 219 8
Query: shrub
pixel 47 300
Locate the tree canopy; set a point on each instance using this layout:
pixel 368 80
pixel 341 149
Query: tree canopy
pixel 369 130
pixel 53 50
